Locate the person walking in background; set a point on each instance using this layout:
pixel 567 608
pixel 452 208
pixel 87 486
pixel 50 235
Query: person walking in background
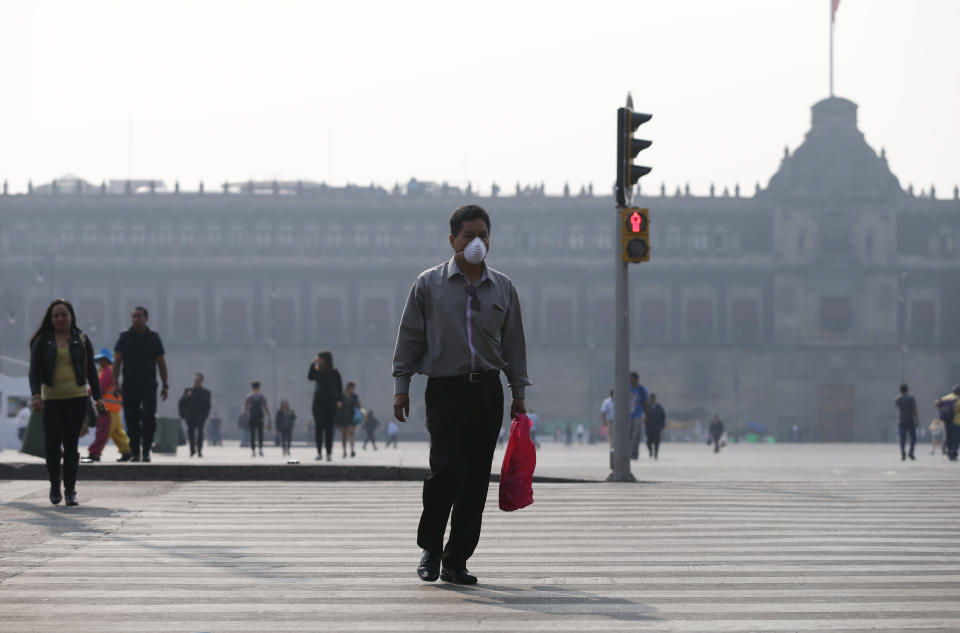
pixel 109 424
pixel 194 408
pixel 534 427
pixel 936 436
pixel 256 406
pixel 327 400
pixel 716 432
pixel 948 407
pixel 461 327
pixel 638 404
pixel 61 367
pixel 370 424
pixel 908 422
pixel 568 434
pixel 606 417
pixel 346 418
pixel 654 423
pixel 215 423
pixel 285 420
pixel 138 355
pixel 393 431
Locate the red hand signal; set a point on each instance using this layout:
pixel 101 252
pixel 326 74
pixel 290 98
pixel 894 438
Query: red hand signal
pixel 636 221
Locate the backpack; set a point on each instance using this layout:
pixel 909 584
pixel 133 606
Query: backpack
pixel 946 410
pixel 256 407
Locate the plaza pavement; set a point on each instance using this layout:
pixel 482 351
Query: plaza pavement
pixel 757 538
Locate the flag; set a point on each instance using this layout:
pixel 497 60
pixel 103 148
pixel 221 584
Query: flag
pixel 833 11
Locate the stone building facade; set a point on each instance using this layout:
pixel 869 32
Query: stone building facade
pixel 804 304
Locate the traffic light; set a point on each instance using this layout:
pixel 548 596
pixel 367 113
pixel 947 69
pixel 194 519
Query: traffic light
pixel 636 235
pixel 627 149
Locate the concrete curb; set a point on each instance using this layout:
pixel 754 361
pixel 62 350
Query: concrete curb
pixel 237 472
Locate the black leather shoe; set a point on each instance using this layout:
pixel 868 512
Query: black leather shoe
pixel 71 496
pixel 458 576
pixel 145 458
pixel 56 497
pixel 429 567
pixel 125 457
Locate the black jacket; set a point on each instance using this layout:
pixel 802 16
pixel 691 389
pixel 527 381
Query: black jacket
pixel 196 405
pixel 43 361
pixel 329 385
pixel 656 419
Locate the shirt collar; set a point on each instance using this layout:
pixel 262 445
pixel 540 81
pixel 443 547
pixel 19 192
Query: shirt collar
pixel 454 269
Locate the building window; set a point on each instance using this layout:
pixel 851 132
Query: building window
pixel 559 319
pixel 186 319
pixel 699 320
pixel 673 238
pixel 214 237
pixel 235 237
pixel 577 239
pixel 745 320
pixel 836 314
pixel 285 237
pixel 283 320
pixel 923 322
pixel 603 238
pixel 233 319
pixel 116 235
pixel 68 236
pixel 701 241
pixel 263 238
pixel 361 236
pixel 188 236
pixel 653 320
pixel 88 237
pixel 381 238
pixel 329 319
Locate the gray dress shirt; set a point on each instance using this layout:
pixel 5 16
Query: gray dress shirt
pixel 450 328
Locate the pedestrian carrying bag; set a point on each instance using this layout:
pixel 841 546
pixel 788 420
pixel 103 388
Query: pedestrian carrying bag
pixel 519 462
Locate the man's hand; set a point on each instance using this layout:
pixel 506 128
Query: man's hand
pixel 517 406
pixel 117 392
pixel 401 406
pixel 37 403
pixel 164 392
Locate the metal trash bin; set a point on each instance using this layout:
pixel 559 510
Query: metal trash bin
pixel 166 438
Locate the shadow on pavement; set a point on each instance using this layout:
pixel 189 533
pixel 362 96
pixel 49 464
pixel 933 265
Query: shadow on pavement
pixel 550 600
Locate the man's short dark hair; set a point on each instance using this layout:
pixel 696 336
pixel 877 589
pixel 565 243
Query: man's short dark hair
pixel 146 315
pixel 465 214
pixel 634 374
pixel 904 389
pixel 200 375
pixel 255 384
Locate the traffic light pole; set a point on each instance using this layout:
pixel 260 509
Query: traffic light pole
pixel 620 453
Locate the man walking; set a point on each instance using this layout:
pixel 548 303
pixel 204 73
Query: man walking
pixel 138 355
pixel 716 432
pixel 909 421
pixel 948 408
pixel 194 409
pixel 461 327
pixel 655 422
pixel 638 404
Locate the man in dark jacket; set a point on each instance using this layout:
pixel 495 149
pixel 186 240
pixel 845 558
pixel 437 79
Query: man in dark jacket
pixel 654 424
pixel 138 355
pixel 194 409
pixel 716 432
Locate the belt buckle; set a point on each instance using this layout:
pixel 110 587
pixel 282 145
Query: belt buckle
pixel 473 376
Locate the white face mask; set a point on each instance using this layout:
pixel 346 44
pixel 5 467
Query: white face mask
pixel 476 251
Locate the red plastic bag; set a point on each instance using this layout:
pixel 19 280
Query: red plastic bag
pixel 519 462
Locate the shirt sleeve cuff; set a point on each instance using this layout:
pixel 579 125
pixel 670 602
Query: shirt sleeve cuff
pixel 518 392
pixel 401 384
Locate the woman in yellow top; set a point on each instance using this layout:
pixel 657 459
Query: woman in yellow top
pixel 61 366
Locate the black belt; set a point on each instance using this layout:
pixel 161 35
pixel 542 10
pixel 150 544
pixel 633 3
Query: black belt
pixel 473 377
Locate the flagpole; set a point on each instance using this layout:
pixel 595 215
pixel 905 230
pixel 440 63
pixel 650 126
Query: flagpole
pixel 830 2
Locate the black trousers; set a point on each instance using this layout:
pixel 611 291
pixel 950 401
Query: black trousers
pixel 463 420
pixel 323 414
pixel 62 420
pixel 140 413
pixel 195 434
pixel 953 439
pixel 285 438
pixel 370 436
pixel 256 429
pixel 653 441
pixel 905 431
pixel 636 437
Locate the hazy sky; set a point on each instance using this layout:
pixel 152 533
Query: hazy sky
pixel 464 91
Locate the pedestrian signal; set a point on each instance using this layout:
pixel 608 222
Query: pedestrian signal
pixel 635 224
